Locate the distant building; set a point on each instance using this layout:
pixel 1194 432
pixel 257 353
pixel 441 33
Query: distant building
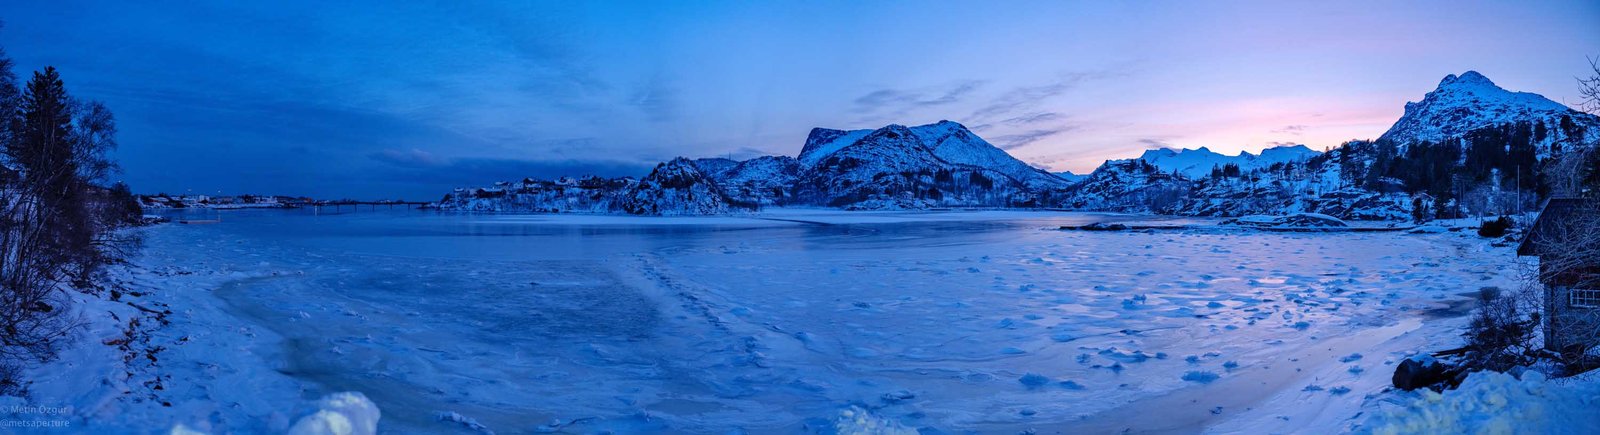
pixel 1569 271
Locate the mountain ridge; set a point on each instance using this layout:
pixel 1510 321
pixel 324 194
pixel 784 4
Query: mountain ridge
pixel 1467 128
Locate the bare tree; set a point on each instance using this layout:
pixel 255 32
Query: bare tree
pixel 1502 330
pixel 1589 88
pixel 1567 173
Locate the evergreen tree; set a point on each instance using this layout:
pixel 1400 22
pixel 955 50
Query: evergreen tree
pixel 1383 165
pixel 47 154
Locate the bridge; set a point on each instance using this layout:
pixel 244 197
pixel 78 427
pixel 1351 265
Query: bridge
pixel 356 205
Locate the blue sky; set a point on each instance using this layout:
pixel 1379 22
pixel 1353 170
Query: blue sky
pixel 410 99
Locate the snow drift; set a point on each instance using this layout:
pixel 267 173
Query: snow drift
pixel 1489 402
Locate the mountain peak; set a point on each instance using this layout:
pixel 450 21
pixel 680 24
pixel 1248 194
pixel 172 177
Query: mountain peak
pixel 891 131
pixel 1156 153
pixel 824 141
pixel 1469 78
pixel 1295 149
pixel 1468 102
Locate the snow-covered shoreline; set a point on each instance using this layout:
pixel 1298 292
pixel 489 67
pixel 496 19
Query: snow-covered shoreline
pixel 237 358
pixel 167 375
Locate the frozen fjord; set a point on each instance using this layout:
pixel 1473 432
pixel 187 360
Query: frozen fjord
pixel 982 321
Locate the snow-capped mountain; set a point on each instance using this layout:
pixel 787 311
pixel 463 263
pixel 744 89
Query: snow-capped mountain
pixel 890 149
pixel 1469 102
pixel 824 141
pixel 1199 162
pixel 949 141
pixel 952 142
pixel 896 167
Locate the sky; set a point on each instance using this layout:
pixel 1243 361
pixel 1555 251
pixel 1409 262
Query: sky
pixel 408 100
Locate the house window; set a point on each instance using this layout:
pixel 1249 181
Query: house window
pixel 1584 298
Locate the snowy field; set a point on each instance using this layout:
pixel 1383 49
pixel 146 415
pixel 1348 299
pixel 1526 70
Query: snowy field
pixel 781 322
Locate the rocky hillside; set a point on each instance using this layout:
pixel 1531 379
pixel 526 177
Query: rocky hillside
pixel 1132 185
pixel 564 195
pixel 677 187
pixel 761 181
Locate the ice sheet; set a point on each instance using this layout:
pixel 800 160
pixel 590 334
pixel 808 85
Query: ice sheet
pixel 991 321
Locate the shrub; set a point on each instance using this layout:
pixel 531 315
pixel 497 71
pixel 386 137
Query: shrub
pixel 1495 228
pixel 1500 336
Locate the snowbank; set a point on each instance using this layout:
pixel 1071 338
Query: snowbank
pixel 857 421
pixel 1489 402
pixel 1297 220
pixel 348 413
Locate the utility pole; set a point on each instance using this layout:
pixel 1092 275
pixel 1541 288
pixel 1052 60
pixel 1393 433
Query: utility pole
pixel 1519 190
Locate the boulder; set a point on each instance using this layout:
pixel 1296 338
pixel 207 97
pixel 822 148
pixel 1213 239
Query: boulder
pixel 1097 226
pixel 1418 372
pixel 1101 226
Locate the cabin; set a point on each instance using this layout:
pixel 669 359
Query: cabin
pixel 1564 238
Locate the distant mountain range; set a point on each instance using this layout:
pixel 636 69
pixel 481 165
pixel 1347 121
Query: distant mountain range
pixel 1199 163
pixel 1449 151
